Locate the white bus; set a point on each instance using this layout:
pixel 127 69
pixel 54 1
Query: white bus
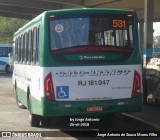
pixel 83 62
pixel 4 57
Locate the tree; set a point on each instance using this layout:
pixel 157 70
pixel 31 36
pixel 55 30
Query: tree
pixel 8 26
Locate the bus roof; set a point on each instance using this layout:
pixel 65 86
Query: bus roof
pixel 90 10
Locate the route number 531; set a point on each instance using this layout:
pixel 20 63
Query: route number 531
pixel 118 23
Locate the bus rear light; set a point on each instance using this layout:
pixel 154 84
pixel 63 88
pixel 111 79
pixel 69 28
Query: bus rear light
pixel 129 15
pixel 136 84
pixel 52 16
pixel 48 87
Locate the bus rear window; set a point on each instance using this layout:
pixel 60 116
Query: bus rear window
pixel 92 30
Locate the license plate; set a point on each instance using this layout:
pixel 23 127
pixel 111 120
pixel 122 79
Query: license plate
pixel 95 108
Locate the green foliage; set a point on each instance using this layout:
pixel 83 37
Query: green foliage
pixel 8 26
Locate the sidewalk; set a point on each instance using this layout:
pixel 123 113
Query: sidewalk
pixel 150 115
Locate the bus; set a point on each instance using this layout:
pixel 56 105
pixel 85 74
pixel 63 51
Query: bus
pixel 83 62
pixel 4 57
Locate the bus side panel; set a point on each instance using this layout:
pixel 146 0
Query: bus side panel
pixel 26 83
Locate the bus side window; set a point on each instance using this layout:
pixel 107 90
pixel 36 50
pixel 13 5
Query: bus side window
pixel 34 45
pixel 16 50
pixel 26 47
pixel 30 47
pixel 19 49
pixel 36 32
pixel 38 45
pixel 22 50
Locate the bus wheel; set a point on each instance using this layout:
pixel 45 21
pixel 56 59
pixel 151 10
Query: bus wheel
pixel 34 119
pixel 19 104
pixel 8 69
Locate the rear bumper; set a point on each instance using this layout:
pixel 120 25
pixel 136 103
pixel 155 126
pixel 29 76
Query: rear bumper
pixel 69 108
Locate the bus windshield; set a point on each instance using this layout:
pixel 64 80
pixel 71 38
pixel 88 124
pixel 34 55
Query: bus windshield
pixel 94 30
pixel 4 51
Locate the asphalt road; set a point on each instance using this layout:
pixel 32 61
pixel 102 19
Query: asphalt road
pixel 14 119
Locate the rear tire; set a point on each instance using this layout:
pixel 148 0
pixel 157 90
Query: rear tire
pixel 34 119
pixel 8 69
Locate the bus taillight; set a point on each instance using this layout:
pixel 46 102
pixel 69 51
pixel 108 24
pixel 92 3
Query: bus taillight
pixel 52 16
pixel 129 15
pixel 48 87
pixel 136 84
